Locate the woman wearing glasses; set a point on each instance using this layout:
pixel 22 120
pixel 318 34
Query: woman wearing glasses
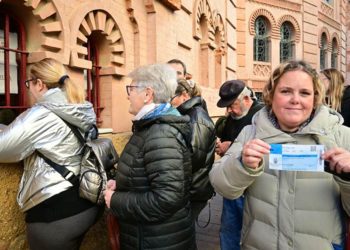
pixel 150 195
pixel 56 217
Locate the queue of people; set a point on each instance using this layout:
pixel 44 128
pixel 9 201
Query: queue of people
pixel 166 173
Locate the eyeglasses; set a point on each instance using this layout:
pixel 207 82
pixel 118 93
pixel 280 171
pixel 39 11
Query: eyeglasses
pixel 26 82
pixel 129 88
pixel 172 98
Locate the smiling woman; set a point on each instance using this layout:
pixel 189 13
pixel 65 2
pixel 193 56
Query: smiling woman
pixel 305 207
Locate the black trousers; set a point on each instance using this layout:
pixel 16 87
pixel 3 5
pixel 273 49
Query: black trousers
pixel 67 233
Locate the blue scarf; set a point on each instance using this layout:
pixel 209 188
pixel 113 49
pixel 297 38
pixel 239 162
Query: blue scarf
pixel 162 109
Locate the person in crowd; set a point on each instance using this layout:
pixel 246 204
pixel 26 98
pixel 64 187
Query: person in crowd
pixel 333 81
pixel 188 101
pixel 56 217
pixel 289 209
pixel 150 194
pixel 345 106
pixel 180 68
pixel 241 105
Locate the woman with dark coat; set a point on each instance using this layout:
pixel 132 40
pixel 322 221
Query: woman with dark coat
pixel 150 195
pixel 189 102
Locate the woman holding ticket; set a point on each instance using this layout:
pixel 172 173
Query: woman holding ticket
pixel 277 162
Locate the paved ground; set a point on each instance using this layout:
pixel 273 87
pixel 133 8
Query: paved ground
pixel 208 237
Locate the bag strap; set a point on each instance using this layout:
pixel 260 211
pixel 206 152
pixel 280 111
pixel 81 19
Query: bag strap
pixel 62 170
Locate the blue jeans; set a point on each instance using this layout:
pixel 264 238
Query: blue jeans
pixel 231 224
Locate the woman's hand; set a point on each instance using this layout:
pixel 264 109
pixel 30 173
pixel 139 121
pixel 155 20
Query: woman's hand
pixel 110 189
pixel 339 160
pixel 253 152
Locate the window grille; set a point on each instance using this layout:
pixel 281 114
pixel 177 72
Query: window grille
pixel 261 41
pixel 287 45
pixel 13 57
pixel 334 56
pixel 323 52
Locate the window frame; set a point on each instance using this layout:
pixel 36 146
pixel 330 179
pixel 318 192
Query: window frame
pixel 21 60
pixel 93 80
pixel 261 41
pixel 287 44
pixel 323 51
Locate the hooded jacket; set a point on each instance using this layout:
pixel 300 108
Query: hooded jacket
pixel 40 129
pixel 203 146
pixel 287 209
pixel 153 181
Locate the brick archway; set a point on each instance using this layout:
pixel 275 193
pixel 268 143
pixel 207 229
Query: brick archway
pixel 98 20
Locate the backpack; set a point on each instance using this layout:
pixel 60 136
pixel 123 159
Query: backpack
pixel 99 157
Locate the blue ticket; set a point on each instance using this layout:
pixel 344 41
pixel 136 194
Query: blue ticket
pixel 296 157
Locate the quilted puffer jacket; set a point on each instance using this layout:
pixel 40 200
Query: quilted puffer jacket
pixel 203 145
pixel 40 129
pixel 287 209
pixel 153 180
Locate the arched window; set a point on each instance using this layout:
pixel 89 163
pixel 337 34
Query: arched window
pixel 12 68
pixel 261 40
pixel 92 77
pixel 323 51
pixel 286 43
pixel 334 56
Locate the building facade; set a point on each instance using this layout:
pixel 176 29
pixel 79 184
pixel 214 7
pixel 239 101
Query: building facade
pixel 101 41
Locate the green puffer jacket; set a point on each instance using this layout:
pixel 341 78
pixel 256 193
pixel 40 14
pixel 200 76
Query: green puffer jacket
pixel 287 209
pixel 153 183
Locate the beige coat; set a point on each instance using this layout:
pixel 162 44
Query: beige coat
pixel 287 209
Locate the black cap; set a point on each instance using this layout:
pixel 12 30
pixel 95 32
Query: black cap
pixel 229 91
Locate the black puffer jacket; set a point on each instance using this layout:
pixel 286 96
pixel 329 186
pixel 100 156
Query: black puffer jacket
pixel 153 182
pixel 203 145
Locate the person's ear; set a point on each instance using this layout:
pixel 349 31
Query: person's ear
pixel 149 95
pixel 41 85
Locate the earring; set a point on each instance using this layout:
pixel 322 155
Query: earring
pixel 144 101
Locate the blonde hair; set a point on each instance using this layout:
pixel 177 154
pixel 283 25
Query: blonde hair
pixel 50 71
pixel 189 87
pixel 335 89
pixel 270 87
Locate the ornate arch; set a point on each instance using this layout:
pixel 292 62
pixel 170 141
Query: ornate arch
pixel 336 37
pixel 202 8
pixel 294 23
pixel 323 30
pixel 268 16
pixel 219 25
pixel 99 20
pixel 50 21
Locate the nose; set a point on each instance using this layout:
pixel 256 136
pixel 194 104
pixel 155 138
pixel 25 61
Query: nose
pixel 295 98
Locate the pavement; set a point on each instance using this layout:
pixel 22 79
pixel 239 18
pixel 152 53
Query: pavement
pixel 208 237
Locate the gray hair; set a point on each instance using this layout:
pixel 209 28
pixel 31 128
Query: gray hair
pixel 245 92
pixel 161 78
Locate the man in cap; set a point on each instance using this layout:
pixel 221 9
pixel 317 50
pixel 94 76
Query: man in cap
pixel 241 104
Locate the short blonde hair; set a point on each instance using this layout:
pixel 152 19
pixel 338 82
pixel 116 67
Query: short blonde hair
pixel 50 71
pixel 270 87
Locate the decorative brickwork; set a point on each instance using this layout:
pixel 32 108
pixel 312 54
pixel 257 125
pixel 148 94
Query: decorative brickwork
pixel 262 69
pixel 336 37
pixel 272 22
pixel 327 9
pixel 202 8
pixel 99 21
pixel 294 23
pixel 51 26
pixel 323 30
